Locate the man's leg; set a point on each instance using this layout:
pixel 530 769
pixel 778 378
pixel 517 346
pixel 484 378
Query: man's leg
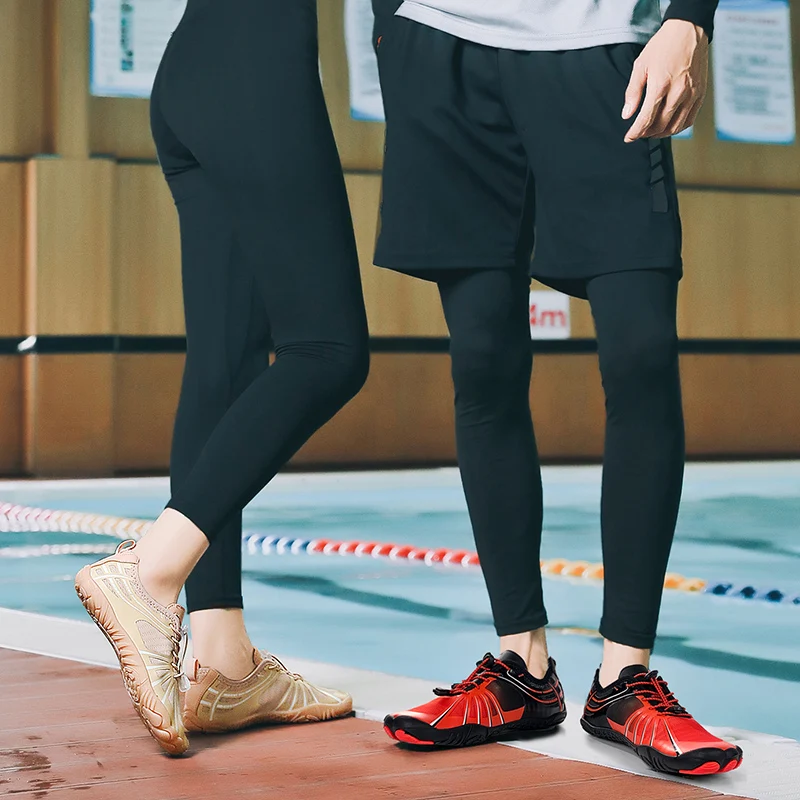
pixel 457 208
pixel 635 317
pixel 490 347
pixel 606 208
pixel 487 314
pixel 607 225
pixel 642 476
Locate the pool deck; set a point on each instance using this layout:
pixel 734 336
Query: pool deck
pixel 67 730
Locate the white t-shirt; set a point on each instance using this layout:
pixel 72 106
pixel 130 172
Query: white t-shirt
pixel 539 24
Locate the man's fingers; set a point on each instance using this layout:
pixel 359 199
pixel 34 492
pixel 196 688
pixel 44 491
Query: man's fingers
pixel 669 121
pixel 636 87
pixel 653 103
pixel 694 112
pixel 680 123
pixel 679 114
pixel 674 64
pixel 677 100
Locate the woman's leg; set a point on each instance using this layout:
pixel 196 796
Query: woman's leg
pixel 490 348
pixel 217 371
pixel 273 164
pixel 247 148
pixel 244 136
pixel 635 317
pixel 228 337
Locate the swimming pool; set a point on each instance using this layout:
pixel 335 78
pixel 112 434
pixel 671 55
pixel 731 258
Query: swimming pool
pixel 738 524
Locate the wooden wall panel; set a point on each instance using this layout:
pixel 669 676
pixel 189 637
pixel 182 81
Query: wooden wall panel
pixel 146 398
pixel 704 160
pixel 12 182
pixel 742 405
pixel 68 414
pixel 737 406
pixel 396 304
pixel 742 270
pixel 403 415
pixel 734 406
pixel 91 247
pixel 68 58
pixel 23 77
pixel 68 252
pixel 742 266
pixel 147 255
pixel 120 127
pixel 568 406
pixel 581 318
pixel 10 415
pixel 360 143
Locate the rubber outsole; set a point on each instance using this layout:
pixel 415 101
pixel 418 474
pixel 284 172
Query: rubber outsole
pixel 167 737
pixel 415 732
pixel 706 761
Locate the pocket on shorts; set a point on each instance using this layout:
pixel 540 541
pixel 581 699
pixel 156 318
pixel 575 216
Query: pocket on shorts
pixel 384 11
pixel 622 56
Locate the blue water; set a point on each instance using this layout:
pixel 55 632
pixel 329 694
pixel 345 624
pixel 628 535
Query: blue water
pixel 738 523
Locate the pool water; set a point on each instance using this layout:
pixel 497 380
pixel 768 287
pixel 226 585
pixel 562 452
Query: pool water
pixel 739 523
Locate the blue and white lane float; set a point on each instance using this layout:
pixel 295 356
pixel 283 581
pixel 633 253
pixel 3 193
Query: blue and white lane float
pixel 16 518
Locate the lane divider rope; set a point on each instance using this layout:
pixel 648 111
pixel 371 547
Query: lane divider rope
pixel 16 518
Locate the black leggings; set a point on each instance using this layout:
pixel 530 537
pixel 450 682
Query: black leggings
pixel 268 256
pixel 635 318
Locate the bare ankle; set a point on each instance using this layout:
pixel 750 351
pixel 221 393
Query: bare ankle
pixel 234 663
pixel 220 641
pixel 167 554
pixel 616 657
pixel 164 589
pixel 531 646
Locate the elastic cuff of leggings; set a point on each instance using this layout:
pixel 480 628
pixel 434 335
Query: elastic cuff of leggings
pixel 620 635
pixel 523 626
pixel 235 601
pixel 181 509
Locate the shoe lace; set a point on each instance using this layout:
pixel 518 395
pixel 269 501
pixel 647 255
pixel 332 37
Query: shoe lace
pixel 653 688
pixel 484 669
pixel 181 639
pixel 275 663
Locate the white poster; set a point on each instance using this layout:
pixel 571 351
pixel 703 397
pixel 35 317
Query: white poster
pixel 753 81
pixel 366 101
pixel 128 38
pixel 549 315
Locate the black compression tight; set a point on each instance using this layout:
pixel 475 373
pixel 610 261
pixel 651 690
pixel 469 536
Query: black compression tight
pixel 635 318
pixel 268 255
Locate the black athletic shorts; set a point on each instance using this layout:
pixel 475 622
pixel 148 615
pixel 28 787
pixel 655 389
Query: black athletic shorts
pixel 496 157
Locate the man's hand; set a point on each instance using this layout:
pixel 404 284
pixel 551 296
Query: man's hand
pixel 673 69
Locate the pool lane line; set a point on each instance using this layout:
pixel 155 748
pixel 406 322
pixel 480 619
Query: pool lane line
pixel 17 518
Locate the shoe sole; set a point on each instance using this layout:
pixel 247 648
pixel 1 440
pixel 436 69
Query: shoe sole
pixel 151 713
pixel 416 733
pixel 704 761
pixel 195 725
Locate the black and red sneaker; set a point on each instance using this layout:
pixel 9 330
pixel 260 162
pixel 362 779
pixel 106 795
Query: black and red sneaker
pixel 639 710
pixel 500 697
